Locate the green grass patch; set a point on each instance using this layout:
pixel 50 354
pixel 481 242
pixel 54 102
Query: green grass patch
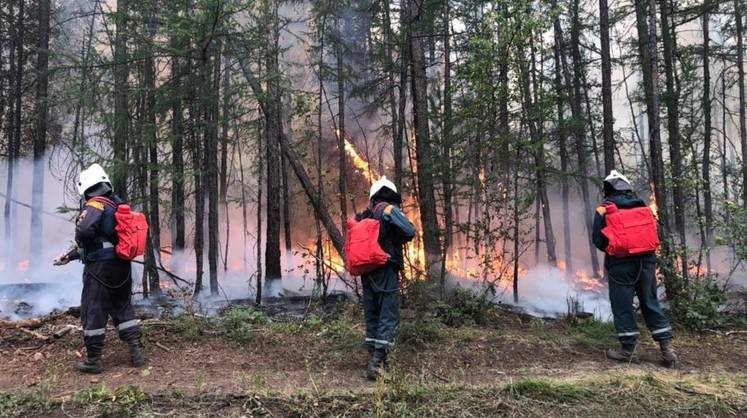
pixel 593 333
pixel 546 390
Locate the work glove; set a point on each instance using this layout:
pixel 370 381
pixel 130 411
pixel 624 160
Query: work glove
pixel 61 260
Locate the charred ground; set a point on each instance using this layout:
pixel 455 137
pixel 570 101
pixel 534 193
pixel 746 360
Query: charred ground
pixel 449 362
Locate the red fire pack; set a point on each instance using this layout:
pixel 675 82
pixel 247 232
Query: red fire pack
pixel 132 230
pixel 364 253
pixel 630 231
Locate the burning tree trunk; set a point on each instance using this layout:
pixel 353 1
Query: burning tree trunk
pixel 268 103
pixel 40 131
pixel 426 194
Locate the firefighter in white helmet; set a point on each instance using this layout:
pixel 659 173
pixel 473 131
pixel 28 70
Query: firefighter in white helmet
pixel 630 264
pixel 381 286
pixel 107 280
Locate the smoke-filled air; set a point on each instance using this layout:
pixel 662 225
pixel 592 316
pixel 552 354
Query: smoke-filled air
pixel 448 193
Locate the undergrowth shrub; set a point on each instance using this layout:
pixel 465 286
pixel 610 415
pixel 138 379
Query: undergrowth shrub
pixel 421 331
pixel 238 322
pixel 699 303
pixel 464 307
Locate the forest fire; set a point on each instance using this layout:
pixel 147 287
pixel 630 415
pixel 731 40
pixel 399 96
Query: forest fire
pixel 359 162
pixel 654 205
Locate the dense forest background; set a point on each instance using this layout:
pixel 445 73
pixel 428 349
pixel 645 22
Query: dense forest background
pixel 250 130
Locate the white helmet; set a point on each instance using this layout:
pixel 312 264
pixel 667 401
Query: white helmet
pixel 380 184
pixel 90 177
pixel 617 181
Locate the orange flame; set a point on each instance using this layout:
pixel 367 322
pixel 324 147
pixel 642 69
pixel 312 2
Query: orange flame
pixel 359 163
pixel 654 205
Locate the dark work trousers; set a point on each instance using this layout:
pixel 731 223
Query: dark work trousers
pixel 381 307
pixel 107 292
pixel 636 277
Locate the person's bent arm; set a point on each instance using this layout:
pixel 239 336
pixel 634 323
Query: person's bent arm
pixel 394 215
pixel 599 240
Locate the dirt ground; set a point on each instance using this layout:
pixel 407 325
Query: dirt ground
pixel 313 360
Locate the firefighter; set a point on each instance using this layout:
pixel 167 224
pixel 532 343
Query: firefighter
pixel 381 287
pixel 631 276
pixel 107 280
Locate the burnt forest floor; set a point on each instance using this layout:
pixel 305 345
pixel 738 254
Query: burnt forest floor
pixel 465 361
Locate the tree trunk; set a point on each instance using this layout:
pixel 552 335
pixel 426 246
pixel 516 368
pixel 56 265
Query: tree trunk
pixel 579 134
pixel 742 121
pixel 177 148
pixel 426 194
pixel 273 124
pixel 671 99
pixel 562 144
pixel 340 133
pixel 707 200
pixel 446 176
pixel 40 131
pixel 399 139
pixel 225 113
pixel 154 230
pixel 13 125
pixel 211 84
pixel 646 27
pixel 121 110
pixel 608 121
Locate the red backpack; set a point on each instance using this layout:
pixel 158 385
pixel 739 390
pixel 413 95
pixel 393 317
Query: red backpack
pixel 364 253
pixel 132 230
pixel 630 231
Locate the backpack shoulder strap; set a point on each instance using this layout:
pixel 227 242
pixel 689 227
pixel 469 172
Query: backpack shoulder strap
pixel 380 209
pixel 103 200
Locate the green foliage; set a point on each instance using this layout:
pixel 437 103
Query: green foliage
pixel 420 332
pixel 192 326
pixel 698 305
pixel 122 401
pixel 238 323
pixel 344 333
pixel 546 390
pixel 464 307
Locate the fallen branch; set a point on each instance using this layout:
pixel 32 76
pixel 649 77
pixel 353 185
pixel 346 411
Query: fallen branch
pixel 25 323
pixel 163 347
pixel 62 332
pixel 34 334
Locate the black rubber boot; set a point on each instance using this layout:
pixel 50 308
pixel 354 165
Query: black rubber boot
pixel 668 356
pixel 137 353
pixel 376 365
pixel 626 354
pixel 91 365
